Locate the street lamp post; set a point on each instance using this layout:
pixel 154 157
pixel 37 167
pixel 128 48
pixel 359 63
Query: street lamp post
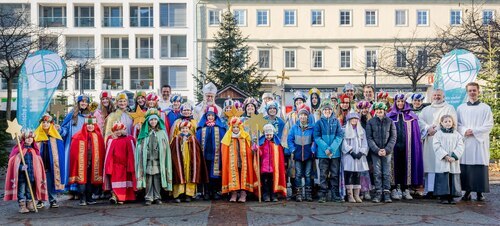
pixel 366 75
pixel 375 77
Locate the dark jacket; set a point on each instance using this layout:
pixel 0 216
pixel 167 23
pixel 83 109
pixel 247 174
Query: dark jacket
pixel 381 134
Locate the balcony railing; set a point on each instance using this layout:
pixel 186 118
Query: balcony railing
pixel 115 53
pixel 84 22
pixel 144 53
pixel 142 22
pixel 80 53
pixel 52 21
pixel 112 22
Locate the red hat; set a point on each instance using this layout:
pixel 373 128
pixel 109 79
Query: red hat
pixel 235 121
pixel 118 126
pixel 382 94
pixel 212 109
pixel 304 109
pixel 105 94
pixel 152 96
pixel 344 98
pixel 185 123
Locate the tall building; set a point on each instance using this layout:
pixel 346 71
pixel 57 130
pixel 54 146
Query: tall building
pixel 327 43
pixel 122 44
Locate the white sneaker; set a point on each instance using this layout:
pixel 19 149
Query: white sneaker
pixel 395 195
pixel 406 195
pixel 400 193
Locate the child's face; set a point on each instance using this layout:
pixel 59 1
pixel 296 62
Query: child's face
pixel 364 111
pixel 45 125
pixel 269 136
pixel 185 130
pixel 141 100
pixel 327 112
pixel 151 104
pixel 447 123
pixel 211 117
pixel 380 113
pixel 228 108
pixel 344 105
pixel 90 127
pixel 122 104
pixel 176 105
pixel 272 111
pixel 267 99
pixel 186 112
pixel 105 102
pixel 417 103
pixel 153 122
pixel 354 121
pixel 314 99
pixel 400 104
pixel 236 129
pixel 250 109
pixel 298 102
pixel 117 133
pixel 83 104
pixel 28 141
pixel 303 118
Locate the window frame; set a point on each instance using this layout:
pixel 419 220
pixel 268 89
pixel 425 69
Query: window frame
pixel 285 50
pixel 138 47
pixel 140 77
pixel 168 75
pixel 405 17
pixel 350 17
pixel 139 17
pixel 269 58
pixel 492 11
pixel 294 18
pixel 322 16
pixel 403 59
pixel 110 87
pixel 121 48
pixel 350 50
pixel 313 59
pixel 452 19
pixel 77 15
pixel 169 23
pixel 267 11
pixel 216 13
pixel 370 65
pixel 244 24
pixel 91 79
pixel 375 18
pixel 427 17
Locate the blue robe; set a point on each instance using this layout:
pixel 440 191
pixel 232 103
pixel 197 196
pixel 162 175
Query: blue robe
pixel 278 124
pixel 172 116
pixel 210 141
pixel 63 169
pixel 67 131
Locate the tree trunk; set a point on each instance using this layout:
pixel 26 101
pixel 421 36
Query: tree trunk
pixel 414 84
pixel 9 99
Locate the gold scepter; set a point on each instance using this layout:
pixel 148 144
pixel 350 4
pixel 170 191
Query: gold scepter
pixel 256 124
pixel 15 130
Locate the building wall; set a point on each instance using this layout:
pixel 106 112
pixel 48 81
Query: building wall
pixel 98 32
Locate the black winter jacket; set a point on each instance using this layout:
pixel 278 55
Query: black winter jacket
pixel 381 134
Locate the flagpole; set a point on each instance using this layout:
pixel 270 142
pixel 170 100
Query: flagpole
pixel 26 172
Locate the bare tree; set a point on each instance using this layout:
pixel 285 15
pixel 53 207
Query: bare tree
pixel 412 58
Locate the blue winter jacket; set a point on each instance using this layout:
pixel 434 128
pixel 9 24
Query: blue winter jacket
pixel 328 135
pixel 303 142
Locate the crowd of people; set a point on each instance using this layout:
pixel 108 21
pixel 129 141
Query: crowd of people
pixel 330 147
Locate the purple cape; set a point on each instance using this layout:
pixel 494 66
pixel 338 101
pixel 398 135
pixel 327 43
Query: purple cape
pixel 414 165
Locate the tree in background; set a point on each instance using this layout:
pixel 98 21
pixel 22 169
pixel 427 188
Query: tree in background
pixel 230 63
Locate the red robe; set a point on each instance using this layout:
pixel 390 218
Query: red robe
pixel 197 163
pixel 234 179
pixel 78 156
pixel 11 179
pixel 273 154
pixel 119 168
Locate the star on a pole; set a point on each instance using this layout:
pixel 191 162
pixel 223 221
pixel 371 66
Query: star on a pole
pixel 233 113
pixel 13 128
pixel 256 122
pixel 138 116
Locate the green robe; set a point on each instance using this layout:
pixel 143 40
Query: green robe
pixel 141 159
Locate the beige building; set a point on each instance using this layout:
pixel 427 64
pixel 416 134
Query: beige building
pixel 327 43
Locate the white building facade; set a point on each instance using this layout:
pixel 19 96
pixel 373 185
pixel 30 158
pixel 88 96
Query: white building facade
pixel 124 45
pixel 327 43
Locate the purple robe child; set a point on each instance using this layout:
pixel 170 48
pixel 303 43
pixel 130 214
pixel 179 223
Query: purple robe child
pixel 408 161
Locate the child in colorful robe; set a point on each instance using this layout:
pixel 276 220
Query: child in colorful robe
pixel 187 115
pixel 209 133
pixel 188 164
pixel 449 147
pixel 105 108
pixel 365 114
pixel 174 111
pixel 153 164
pixel 272 165
pixel 119 165
pixel 51 147
pixel 272 112
pixel 121 114
pixel 238 174
pixel 87 160
pixel 354 149
pixel 16 183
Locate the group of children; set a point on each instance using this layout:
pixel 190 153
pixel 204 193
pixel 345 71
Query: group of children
pixel 149 152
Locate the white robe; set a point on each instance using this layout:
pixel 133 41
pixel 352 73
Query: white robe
pixel 480 119
pixel 430 117
pixel 355 141
pixel 445 144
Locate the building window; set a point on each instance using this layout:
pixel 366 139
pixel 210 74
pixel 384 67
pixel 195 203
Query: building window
pixel 488 16
pixel 290 17
pixel 422 58
pixel 401 17
pixel 371 57
pixel 422 17
pixel 112 16
pixel 52 16
pixel 263 17
pixel 115 47
pixel 141 78
pixel 175 76
pixel 211 54
pixel 84 16
pixel 264 58
pixel 63 85
pixel 240 15
pixel 345 59
pixel 371 17
pixel 144 47
pixel 213 17
pixel 173 46
pixel 173 15
pixel 48 43
pixel 11 13
pixel 141 16
pixel 113 78
pixel 317 59
pixel 4 84
pixel 400 57
pixel 316 17
pixel 455 17
pixel 345 18
pixel 88 76
pixel 290 58
pixel 80 47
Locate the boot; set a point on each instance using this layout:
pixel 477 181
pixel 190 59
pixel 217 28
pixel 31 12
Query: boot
pixel 234 196
pixel 350 198
pixel 243 196
pixel 30 205
pixel 309 194
pixel 378 197
pixel 480 197
pixel 356 190
pixel 387 196
pixel 298 198
pixel 336 196
pixel 22 207
pixel 467 196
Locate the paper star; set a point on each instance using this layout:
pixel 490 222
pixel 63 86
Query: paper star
pixel 14 128
pixel 138 116
pixel 256 123
pixel 233 113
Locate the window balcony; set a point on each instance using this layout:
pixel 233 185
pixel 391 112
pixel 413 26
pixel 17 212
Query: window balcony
pixel 52 21
pixel 112 22
pixel 144 53
pixel 80 53
pixel 115 53
pixel 84 22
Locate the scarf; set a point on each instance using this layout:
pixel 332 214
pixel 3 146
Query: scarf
pixel 445 130
pixel 210 124
pixel 473 104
